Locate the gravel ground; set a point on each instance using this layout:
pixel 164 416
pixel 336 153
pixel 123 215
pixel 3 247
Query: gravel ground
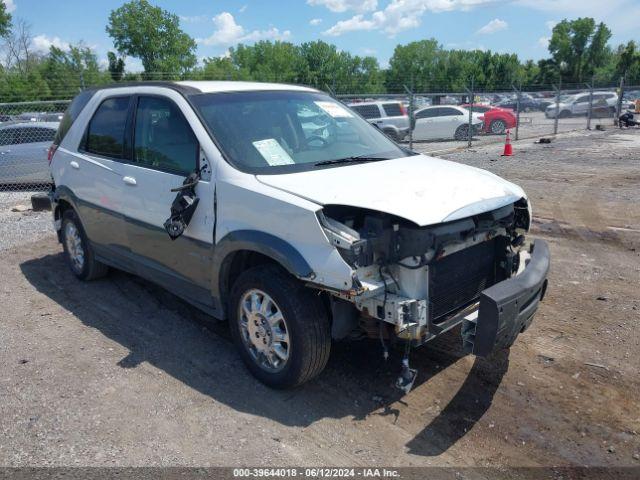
pixel 120 372
pixel 18 228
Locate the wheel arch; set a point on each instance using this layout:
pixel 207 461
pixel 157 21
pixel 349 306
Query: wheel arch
pixel 243 249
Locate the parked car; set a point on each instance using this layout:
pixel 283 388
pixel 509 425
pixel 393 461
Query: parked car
pixel 576 105
pixel 445 121
pixel 216 192
pixel 527 103
pixel 23 152
pixel 389 116
pixel 496 120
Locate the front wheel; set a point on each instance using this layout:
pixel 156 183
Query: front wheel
pixel 498 127
pixel 462 133
pixel 280 327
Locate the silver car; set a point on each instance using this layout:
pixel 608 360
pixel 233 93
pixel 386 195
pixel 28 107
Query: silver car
pixel 23 152
pixel 391 117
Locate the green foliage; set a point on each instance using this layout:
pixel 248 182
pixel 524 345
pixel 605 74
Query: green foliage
pixel 578 48
pixel 153 35
pixel 116 66
pixel 313 63
pixel 5 20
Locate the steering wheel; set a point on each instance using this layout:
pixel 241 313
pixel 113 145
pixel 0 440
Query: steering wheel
pixel 317 138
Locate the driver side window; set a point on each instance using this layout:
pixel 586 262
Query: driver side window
pixel 163 138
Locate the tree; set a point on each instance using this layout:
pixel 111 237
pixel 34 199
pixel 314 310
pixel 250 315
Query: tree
pixel 116 66
pixel 68 71
pixel 154 36
pixel 5 20
pixel 581 45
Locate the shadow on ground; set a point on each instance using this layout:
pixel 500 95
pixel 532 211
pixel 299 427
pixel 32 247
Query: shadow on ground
pixel 158 328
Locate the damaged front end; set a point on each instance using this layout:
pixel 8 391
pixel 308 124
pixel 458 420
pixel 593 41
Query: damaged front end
pixel 415 283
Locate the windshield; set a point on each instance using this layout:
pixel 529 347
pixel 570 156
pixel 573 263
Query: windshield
pixel 281 131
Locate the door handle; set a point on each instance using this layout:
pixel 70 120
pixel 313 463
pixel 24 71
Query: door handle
pixel 74 164
pixel 129 181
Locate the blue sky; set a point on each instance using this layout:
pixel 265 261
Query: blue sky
pixel 363 27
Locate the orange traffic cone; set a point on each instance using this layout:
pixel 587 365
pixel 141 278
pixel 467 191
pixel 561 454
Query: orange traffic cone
pixel 508 149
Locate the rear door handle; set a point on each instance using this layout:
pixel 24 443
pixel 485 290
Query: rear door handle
pixel 129 181
pixel 74 164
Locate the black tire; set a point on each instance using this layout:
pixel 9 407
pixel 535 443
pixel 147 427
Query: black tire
pixel 564 114
pixel 462 133
pixel 307 325
pixel 498 127
pixel 90 268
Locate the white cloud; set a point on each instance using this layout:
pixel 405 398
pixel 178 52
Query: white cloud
pixel 42 43
pixel 493 26
pixel 400 15
pixel 315 21
pixel 10 5
pixel 550 24
pixel 544 42
pixel 243 8
pixel 340 6
pixel 227 32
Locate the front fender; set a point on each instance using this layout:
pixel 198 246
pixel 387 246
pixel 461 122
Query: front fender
pixel 254 241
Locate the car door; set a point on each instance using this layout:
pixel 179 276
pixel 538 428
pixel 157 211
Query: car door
pixel 10 170
pixel 581 105
pixel 165 151
pixel 424 128
pixel 94 174
pixel 448 120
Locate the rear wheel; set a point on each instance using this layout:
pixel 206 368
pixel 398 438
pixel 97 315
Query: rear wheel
pixel 564 114
pixel 462 132
pixel 498 127
pixel 78 251
pixel 280 327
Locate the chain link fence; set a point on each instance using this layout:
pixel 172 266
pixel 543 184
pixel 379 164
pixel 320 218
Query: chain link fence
pixel 27 130
pixel 427 122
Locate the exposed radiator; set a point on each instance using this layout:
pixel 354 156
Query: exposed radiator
pixel 457 280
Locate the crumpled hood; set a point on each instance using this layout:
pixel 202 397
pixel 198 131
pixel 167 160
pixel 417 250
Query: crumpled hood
pixel 424 190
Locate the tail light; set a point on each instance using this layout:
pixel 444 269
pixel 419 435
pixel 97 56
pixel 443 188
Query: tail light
pixel 403 109
pixel 51 153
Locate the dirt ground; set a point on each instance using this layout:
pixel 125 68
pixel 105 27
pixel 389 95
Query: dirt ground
pixel 120 372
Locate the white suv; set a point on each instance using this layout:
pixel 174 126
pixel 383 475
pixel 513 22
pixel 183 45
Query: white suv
pixel 577 105
pixel 215 191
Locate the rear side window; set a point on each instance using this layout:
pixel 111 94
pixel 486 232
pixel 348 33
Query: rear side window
pixel 36 135
pixel 367 111
pixel 74 109
pixel 448 112
pixel 392 109
pixel 105 135
pixel 9 136
pixel 163 137
pixel 428 113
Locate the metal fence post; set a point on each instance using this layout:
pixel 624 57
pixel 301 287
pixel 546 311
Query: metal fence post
pixel 472 96
pixel 555 120
pixel 330 91
pixel 518 98
pixel 590 112
pixel 411 110
pixel 619 105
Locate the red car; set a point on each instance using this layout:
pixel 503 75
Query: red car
pixel 496 120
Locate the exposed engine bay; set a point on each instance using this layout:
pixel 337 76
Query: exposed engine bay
pixel 416 278
pixel 413 283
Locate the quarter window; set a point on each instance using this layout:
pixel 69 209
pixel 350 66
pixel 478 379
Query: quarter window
pixel 105 135
pixel 392 109
pixel 367 111
pixel 448 112
pixel 163 138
